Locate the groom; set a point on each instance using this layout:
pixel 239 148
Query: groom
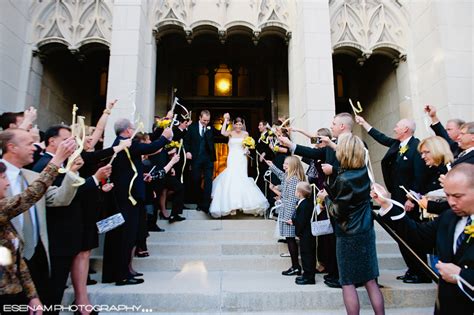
pixel 199 145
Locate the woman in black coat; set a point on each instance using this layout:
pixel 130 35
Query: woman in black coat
pixel 348 201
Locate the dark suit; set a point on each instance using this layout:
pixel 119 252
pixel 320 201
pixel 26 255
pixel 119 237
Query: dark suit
pixel 439 234
pixel 179 134
pixel 439 130
pixel 467 158
pixel 65 230
pixel 302 222
pixel 120 241
pixel 204 156
pixel 407 169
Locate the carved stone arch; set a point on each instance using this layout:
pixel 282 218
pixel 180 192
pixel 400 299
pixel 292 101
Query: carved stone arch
pixel 273 14
pixel 371 26
pixel 72 23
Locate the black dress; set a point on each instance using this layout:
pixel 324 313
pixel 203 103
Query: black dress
pixel 349 204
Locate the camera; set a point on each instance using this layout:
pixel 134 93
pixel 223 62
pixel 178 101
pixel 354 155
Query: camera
pixel 315 140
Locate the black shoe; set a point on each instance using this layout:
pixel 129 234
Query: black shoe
pixel 330 277
pixel 333 283
pixel 91 271
pixel 176 218
pixel 155 228
pixel 413 279
pixel 136 274
pixel 405 276
pixel 91 281
pixel 292 272
pixel 303 281
pixel 164 217
pixel 282 240
pixel 130 281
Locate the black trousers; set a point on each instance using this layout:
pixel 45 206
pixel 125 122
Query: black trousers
pixel 202 167
pixel 308 255
pixel 60 268
pixel 174 184
pixel 39 271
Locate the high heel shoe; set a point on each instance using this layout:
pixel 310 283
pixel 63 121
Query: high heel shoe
pixel 164 217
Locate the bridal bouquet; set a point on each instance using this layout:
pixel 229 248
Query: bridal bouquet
pixel 249 144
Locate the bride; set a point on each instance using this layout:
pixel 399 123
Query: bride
pixel 233 190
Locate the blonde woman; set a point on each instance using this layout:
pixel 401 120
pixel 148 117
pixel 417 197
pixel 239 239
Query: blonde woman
pixel 436 153
pixel 293 174
pixel 348 199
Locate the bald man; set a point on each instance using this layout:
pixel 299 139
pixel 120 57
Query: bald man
pixel 402 165
pixel 446 234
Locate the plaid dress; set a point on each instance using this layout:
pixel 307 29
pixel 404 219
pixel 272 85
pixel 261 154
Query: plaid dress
pixel 289 201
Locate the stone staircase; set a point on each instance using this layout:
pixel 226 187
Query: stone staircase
pixel 234 266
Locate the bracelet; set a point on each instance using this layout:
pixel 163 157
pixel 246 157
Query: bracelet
pixel 107 111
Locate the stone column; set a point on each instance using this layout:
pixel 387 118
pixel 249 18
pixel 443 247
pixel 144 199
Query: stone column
pixel 311 87
pixel 440 62
pixel 130 64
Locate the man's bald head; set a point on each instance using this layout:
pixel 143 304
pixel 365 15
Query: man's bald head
pixel 459 189
pixel 404 129
pixel 17 146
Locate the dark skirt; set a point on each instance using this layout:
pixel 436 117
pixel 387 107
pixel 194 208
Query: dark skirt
pixel 357 258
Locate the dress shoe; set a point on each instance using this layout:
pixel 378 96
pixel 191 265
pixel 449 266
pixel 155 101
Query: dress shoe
pixel 330 277
pixel 282 240
pixel 333 283
pixel 91 281
pixel 416 279
pixel 303 281
pixel 130 281
pixel 155 228
pixel 176 218
pixel 135 274
pixel 142 254
pixel 406 275
pixel 292 272
pixel 164 217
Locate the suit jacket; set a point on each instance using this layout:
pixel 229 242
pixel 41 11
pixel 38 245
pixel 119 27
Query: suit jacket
pixel 325 155
pixel 440 131
pixel 468 158
pixel 56 196
pixel 16 277
pixel 302 218
pixel 439 234
pixel 405 169
pixel 122 172
pixel 66 223
pixel 193 138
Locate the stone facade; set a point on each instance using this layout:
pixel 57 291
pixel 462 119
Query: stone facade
pixel 428 43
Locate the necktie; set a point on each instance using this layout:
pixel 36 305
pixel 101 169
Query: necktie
pixel 463 153
pixel 28 229
pixel 202 131
pixel 463 235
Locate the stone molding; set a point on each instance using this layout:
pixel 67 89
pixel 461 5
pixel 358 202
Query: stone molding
pixel 263 17
pixel 73 23
pixel 364 27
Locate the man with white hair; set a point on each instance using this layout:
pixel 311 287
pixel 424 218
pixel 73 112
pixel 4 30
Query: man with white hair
pixel 402 165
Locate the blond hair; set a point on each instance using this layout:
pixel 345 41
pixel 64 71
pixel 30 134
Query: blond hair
pixel 295 168
pixel 304 188
pixel 439 149
pixel 350 151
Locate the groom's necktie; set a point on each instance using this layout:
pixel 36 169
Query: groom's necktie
pixel 202 131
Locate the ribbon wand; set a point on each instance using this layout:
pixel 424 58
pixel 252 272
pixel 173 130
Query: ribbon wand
pixel 357 110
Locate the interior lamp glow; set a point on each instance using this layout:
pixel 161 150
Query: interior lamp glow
pixel 223 85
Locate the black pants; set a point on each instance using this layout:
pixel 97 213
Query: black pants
pixel 9 303
pixel 60 268
pixel 308 255
pixel 331 260
pixel 174 184
pixel 39 271
pixel 203 167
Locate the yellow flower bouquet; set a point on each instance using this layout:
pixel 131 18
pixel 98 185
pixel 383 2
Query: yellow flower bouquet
pixel 248 143
pixel 164 123
pixel 173 144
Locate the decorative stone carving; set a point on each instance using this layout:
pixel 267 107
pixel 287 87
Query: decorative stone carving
pixel 171 12
pixel 72 22
pixel 368 25
pixel 273 12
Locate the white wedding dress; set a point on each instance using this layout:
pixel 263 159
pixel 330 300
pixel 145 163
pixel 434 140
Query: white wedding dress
pixel 233 190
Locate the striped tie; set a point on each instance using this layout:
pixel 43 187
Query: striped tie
pixel 463 235
pixel 28 228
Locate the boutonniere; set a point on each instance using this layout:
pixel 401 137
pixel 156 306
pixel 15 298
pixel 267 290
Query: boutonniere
pixel 469 230
pixel 403 149
pixel 276 149
pixel 208 128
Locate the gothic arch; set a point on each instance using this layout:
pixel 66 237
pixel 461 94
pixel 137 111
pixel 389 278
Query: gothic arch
pixel 73 23
pixel 366 27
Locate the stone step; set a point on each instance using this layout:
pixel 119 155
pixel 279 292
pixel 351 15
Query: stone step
pixel 232 262
pixel 363 311
pixel 237 248
pixel 196 290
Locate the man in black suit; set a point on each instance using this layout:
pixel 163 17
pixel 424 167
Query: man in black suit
pixel 120 242
pixel 402 165
pixel 65 224
pixel 466 144
pixel 450 134
pixel 199 145
pixel 179 133
pixel 446 234
pixel 265 152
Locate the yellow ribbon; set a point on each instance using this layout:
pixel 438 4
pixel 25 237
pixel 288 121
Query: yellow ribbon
pixel 356 110
pixel 80 119
pixel 181 146
pixel 135 175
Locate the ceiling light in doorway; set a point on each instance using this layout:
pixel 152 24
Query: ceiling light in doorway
pixel 223 85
